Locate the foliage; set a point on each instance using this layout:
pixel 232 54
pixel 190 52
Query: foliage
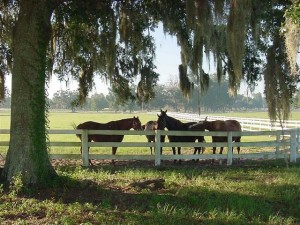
pixel 114 39
pixel 63 100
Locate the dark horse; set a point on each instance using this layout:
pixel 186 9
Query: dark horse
pixel 173 124
pixel 152 125
pixel 123 124
pixel 220 125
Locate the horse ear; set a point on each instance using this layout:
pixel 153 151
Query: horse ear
pixel 161 111
pixel 205 119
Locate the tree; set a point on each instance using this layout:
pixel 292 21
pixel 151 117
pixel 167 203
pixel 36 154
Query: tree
pixel 98 102
pixel 113 39
pixel 64 100
pixel 27 155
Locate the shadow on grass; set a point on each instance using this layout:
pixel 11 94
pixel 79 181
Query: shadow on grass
pixel 188 205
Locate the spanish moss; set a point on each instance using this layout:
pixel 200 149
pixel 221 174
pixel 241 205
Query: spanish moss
pixel 238 17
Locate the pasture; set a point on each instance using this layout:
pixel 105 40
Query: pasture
pixel 252 192
pixel 66 120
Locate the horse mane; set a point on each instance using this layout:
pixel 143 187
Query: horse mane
pixel 173 123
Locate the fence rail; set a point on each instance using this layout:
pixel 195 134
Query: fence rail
pixel 246 123
pixel 282 148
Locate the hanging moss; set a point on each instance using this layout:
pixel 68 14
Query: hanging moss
pixel 236 26
pixel 219 10
pixel 85 83
pixel 184 82
pixel 279 86
pixel 292 41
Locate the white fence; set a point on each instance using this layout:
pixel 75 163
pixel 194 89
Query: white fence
pixel 248 124
pixel 282 148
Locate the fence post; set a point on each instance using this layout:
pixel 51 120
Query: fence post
pixel 157 148
pixel 84 147
pixel 229 146
pixel 293 147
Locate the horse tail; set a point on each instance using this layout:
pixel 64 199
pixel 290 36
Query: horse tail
pixel 75 127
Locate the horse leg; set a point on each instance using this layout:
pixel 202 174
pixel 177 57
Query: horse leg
pixel 221 150
pixel 238 147
pixel 150 147
pixel 179 153
pixel 162 139
pixel 174 153
pixel 214 150
pixel 197 149
pixel 114 151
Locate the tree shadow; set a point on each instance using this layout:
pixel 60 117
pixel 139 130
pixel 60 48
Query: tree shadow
pixel 142 200
pixel 146 203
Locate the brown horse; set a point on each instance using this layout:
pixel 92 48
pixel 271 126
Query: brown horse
pixel 152 125
pixel 123 124
pixel 220 125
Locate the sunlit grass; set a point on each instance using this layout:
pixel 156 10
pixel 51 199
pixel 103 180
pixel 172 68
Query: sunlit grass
pixel 65 120
pixel 253 193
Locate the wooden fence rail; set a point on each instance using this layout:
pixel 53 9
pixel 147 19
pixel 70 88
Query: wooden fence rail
pixel 283 148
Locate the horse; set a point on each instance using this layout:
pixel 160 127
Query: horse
pixel 123 124
pixel 221 125
pixel 176 125
pixel 152 125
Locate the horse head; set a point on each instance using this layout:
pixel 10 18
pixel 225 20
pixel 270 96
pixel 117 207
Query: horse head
pixel 161 122
pixel 136 123
pixel 163 112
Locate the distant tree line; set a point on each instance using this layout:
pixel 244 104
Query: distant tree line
pixel 167 96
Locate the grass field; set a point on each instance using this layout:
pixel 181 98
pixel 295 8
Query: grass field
pixel 251 192
pixel 137 193
pixel 65 120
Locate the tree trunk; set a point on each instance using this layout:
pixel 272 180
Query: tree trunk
pixel 27 154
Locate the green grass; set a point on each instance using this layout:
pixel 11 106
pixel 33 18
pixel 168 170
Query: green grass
pixel 249 192
pixel 252 193
pixel 65 120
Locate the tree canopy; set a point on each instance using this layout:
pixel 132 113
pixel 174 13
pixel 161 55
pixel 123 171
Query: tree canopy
pixel 114 39
pixel 247 39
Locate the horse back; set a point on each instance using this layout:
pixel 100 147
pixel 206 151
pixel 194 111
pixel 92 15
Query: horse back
pixel 233 125
pixel 151 125
pixel 91 125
